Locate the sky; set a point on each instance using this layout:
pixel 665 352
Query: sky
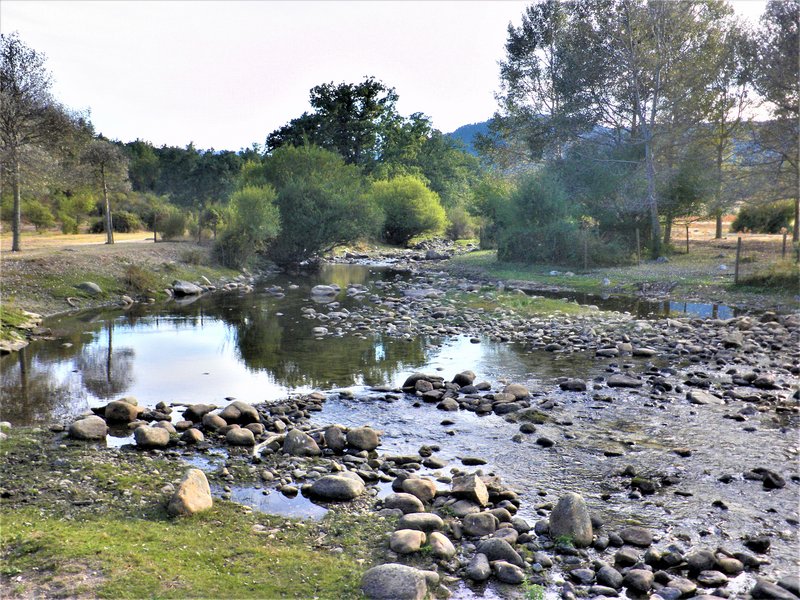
pixel 223 75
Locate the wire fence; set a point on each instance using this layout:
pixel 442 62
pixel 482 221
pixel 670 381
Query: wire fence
pixel 758 255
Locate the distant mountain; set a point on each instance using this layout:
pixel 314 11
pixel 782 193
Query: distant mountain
pixel 466 134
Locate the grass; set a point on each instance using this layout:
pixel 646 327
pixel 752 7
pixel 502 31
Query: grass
pixel 784 275
pixel 524 306
pixel 532 591
pixel 12 320
pixel 90 522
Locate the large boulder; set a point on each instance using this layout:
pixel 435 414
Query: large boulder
pixel 464 378
pixel 426 522
pixel 120 412
pixel 185 288
pixel 298 443
pixel 89 428
pixel 239 436
pixel 470 487
pixel 422 488
pixel 406 541
pixel 394 582
pixel 407 503
pixel 196 412
pixel 151 437
pixel 335 438
pixel 90 287
pixel 240 412
pixel 441 546
pixel 192 496
pixel 570 519
pixel 363 438
pixel 337 487
pixel 480 524
pixel 497 549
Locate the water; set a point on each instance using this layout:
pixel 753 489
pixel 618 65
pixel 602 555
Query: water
pixel 260 347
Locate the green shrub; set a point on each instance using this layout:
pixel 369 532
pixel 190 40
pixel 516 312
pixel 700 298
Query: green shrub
pixel 461 225
pixel 139 280
pixel 37 213
pixel 410 208
pixel 253 222
pixel 68 224
pixel 764 218
pixel 126 222
pixel 192 257
pixel 172 224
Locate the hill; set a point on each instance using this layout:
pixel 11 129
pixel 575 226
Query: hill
pixel 466 134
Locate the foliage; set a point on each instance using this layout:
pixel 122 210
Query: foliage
pixel 140 280
pixel 172 223
pixel 69 225
pixel 460 224
pixel 126 222
pixel 253 222
pixel 38 214
pixel 532 591
pixel 409 206
pixel 764 218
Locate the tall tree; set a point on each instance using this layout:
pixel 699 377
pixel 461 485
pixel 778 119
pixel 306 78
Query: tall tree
pixel 110 167
pixel 29 116
pixel 775 77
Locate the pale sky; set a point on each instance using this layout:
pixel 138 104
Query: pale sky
pixel 225 74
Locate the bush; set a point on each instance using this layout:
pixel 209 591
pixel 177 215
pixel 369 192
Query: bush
pixel 461 225
pixel 125 222
pixel 253 223
pixel 172 224
pixel 139 280
pixel 37 213
pixel 409 206
pixel 68 224
pixel 764 218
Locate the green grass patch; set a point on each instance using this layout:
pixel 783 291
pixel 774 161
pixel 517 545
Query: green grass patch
pixel 522 305
pixel 783 276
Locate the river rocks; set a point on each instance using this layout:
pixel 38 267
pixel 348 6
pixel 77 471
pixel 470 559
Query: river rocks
pixel 240 436
pixel 240 412
pixel 324 291
pixel 508 573
pixel 335 438
pixel 623 381
pixel 298 443
pixel 121 412
pixel 426 522
pixel 151 437
pixel 712 578
pixel 424 489
pixel 192 496
pixel 791 583
pixel 570 519
pixel 394 582
pixel 701 397
pixel 636 536
pixel 573 385
pixel 480 524
pixel 441 547
pixel 478 568
pixel 90 288
pixel 520 392
pixel 470 487
pixel 89 428
pixel 407 503
pixel 766 589
pixel 464 378
pixel 337 487
pixel 363 438
pixel 185 288
pixel 700 560
pixel 497 549
pixel 406 541
pixel 638 580
pixel 213 422
pixel 192 436
pixel 609 576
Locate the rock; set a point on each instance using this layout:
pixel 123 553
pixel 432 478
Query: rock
pixel 335 438
pixel 480 524
pixel 185 288
pixel 700 560
pixel 407 503
pixel 712 578
pixel 765 589
pixel 213 422
pixel 730 566
pixel 90 288
pixel 508 573
pixel 626 557
pixel 324 290
pixel 394 582
pixel 570 519
pixel 791 583
pixel 240 437
pixel 192 436
pixel 638 580
pixel 406 541
pixel 151 437
pixel 363 438
pixel 520 392
pixel 424 489
pixel 582 576
pixel 609 576
pixel 337 487
pixel 643 352
pixel 686 587
pixel 196 412
pixel 478 568
pixel 448 404
pixel 497 549
pixel 758 543
pixel 192 496
pixel 441 546
pixel 297 443
pixel 118 412
pixel 464 378
pixel 240 412
pixel 470 487
pixel 636 536
pixel 573 385
pixel 772 480
pixel 623 381
pixel 89 428
pixel 426 522
pixel 701 397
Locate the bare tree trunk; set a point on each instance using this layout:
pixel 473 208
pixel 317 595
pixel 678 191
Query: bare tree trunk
pixel 718 231
pixel 667 229
pixel 652 200
pixel 16 221
pixel 796 229
pixel 109 225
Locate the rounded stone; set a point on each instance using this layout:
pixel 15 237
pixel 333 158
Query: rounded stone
pixel 570 519
pixel 338 487
pixel 394 582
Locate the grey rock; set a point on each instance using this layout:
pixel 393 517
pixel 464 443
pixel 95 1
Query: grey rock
pixel 464 378
pixel 240 412
pixel 426 522
pixel 570 519
pixel 88 428
pixel 712 578
pixel 394 582
pixel 185 288
pixel 441 546
pixel 520 392
pixel 480 524
pixel 213 422
pixel 478 568
pixel 701 397
pixel 700 560
pixel 90 288
pixel 407 503
pixel 335 438
pixel 636 536
pixel 766 589
pixel 406 541
pixel 196 412
pixel 192 436
pixel 337 487
pixel 497 549
pixel 508 573
pixel 791 583
pixel 363 438
pixel 298 443
pixel 609 576
pixel 193 495
pixel 422 488
pixel 623 381
pixel 240 437
pixel 638 580
pixel 118 412
pixel 470 487
pixel 151 437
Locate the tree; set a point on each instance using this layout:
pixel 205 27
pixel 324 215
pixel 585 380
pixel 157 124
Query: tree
pixel 29 116
pixel 110 167
pixel 253 223
pixel 775 76
pixel 410 208
pixel 348 118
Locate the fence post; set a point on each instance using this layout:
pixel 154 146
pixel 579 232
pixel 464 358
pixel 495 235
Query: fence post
pixel 585 254
pixel 687 238
pixel 783 249
pixel 738 255
pixel 638 249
